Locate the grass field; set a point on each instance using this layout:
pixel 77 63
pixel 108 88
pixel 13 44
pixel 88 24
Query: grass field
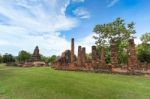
pixel 46 83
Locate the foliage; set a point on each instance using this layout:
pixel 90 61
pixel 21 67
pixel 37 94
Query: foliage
pixel 107 53
pixel 145 38
pixel 8 58
pixel 143 51
pixel 1 59
pixel 23 56
pixel 52 58
pixel 122 52
pixel 116 30
pixel 44 58
pixel 49 59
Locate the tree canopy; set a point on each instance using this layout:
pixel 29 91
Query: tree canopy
pixel 117 30
pixel 145 38
pixel 24 56
pixel 1 59
pixel 143 50
pixel 8 58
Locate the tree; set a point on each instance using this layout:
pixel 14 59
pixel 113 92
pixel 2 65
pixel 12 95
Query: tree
pixel 117 31
pixel 122 52
pixel 143 50
pixel 49 59
pixel 24 56
pixel 145 38
pixel 52 58
pixel 8 58
pixel 1 59
pixel 45 59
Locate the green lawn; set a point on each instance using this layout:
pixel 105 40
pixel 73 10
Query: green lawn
pixel 46 83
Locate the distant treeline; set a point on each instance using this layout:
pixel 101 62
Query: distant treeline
pixel 24 56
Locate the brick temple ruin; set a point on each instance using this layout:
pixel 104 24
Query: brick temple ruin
pixel 69 61
pixel 35 60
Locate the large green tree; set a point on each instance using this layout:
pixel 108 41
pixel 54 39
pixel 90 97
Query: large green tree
pixel 23 56
pixel 117 31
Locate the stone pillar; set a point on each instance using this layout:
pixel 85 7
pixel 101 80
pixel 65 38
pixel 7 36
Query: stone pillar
pixel 94 53
pixel 79 56
pixel 94 56
pixel 83 56
pixel 103 62
pixel 132 57
pixel 72 51
pixel 114 60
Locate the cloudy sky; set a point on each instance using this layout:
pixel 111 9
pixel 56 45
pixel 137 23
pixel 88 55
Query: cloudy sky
pixel 51 24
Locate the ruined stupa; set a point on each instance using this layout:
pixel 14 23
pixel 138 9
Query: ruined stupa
pixel 35 59
pixel 36 55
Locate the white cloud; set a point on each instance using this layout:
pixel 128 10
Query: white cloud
pixel 112 3
pixel 34 22
pixel 27 23
pixel 82 13
pixel 3 42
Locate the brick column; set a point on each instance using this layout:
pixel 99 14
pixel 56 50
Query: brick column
pixel 94 55
pixel 132 57
pixel 79 56
pixel 114 60
pixel 72 50
pixel 103 62
pixel 83 56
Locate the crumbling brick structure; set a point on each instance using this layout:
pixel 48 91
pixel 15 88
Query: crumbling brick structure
pixel 68 60
pixel 35 60
pixel 36 55
pixel 79 60
pixel 72 52
pixel 103 62
pixel 132 57
pixel 114 61
pixel 83 53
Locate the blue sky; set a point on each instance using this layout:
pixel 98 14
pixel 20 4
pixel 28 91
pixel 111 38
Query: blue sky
pixel 51 24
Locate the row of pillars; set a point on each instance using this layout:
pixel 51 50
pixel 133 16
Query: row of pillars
pixel 81 60
pixel 81 54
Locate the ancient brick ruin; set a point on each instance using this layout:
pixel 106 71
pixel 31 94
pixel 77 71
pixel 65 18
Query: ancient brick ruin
pixel 132 57
pixel 36 55
pixel 69 61
pixel 113 54
pixel 35 59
